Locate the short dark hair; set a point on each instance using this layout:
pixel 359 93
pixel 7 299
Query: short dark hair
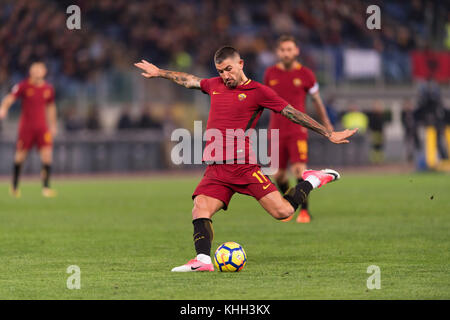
pixel 224 53
pixel 285 38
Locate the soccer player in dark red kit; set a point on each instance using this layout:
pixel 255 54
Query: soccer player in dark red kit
pixel 293 82
pixel 236 104
pixel 37 124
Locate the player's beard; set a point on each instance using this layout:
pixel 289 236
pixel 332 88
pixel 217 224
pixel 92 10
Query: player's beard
pixel 231 84
pixel 288 63
pixel 235 82
pixel 36 80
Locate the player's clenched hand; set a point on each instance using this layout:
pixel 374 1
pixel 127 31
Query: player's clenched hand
pixel 341 136
pixel 150 70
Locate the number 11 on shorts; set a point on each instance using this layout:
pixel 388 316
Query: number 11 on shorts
pixel 258 175
pixel 261 178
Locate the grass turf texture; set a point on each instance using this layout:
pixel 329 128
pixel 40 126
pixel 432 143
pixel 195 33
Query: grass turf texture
pixel 126 235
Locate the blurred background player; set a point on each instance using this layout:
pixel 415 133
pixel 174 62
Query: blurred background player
pixel 411 136
pixel 378 117
pixel 293 81
pixel 37 124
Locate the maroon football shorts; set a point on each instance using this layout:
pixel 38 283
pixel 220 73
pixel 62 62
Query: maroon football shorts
pixel 34 137
pixel 221 181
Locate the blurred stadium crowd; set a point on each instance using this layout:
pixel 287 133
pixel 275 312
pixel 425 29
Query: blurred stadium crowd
pixel 184 35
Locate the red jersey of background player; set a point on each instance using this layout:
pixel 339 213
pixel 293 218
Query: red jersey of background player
pixel 293 86
pixel 237 108
pixel 34 102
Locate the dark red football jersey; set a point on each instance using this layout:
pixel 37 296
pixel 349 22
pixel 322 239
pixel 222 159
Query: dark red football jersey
pixel 235 109
pixel 34 102
pixel 293 86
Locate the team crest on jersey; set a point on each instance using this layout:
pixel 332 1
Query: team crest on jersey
pixel 242 96
pixel 29 92
pixel 273 82
pixel 297 82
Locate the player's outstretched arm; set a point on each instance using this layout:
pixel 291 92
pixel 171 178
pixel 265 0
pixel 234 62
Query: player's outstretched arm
pixel 303 119
pixel 183 79
pixel 5 105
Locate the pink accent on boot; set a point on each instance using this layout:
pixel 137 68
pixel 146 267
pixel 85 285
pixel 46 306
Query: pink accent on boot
pixel 194 265
pixel 325 176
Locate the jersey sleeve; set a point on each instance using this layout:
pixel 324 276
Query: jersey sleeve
pixel 18 89
pixel 312 86
pixel 271 100
pixel 205 86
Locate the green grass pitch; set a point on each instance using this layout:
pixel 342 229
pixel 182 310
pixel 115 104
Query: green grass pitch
pixel 126 235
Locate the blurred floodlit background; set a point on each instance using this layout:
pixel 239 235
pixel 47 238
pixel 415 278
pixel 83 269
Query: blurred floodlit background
pixel 393 83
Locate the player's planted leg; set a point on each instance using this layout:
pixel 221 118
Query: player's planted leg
pixel 204 208
pixel 203 236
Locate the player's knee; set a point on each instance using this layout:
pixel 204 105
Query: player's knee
pixel 20 156
pixel 200 209
pixel 283 212
pixel 46 156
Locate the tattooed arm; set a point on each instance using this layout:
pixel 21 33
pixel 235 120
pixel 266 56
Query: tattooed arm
pixel 183 79
pixel 303 119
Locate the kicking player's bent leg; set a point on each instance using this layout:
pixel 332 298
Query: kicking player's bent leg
pixel 276 205
pixel 281 207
